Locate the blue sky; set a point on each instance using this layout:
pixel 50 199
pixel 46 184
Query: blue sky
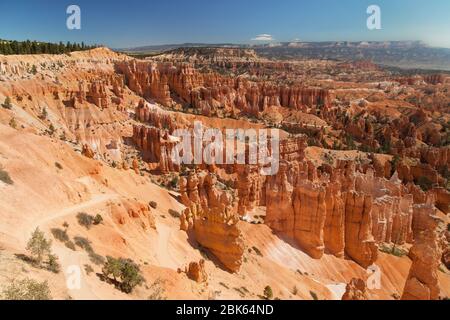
pixel 127 23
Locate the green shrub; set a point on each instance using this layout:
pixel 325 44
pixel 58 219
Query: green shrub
pixel 53 263
pixel 174 213
pixel 268 293
pixel 424 183
pixel 39 246
pixel 313 295
pixel 88 269
pixel 4 176
pixel 69 244
pixel 126 274
pixel 394 250
pixel 60 234
pixel 13 123
pixel 158 291
pixel 85 220
pixel 27 289
pixel 257 251
pixel 7 104
pixel 224 285
pixel 96 258
pixel 84 244
pixel 174 182
pixel 98 219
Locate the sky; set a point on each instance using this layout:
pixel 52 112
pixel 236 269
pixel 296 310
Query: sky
pixel 131 23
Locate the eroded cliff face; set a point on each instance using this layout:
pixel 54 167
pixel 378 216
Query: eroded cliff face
pixel 426 253
pixel 211 93
pixel 211 216
pixel 340 211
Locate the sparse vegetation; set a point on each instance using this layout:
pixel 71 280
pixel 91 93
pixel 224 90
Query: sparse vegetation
pixel 7 104
pixel 268 293
pixel 26 289
pixel 69 244
pixel 60 234
pixel 224 285
pixel 257 251
pixel 51 129
pixel 98 219
pixel 394 164
pixel 424 183
pixel 4 177
pixel 39 246
pixel 243 291
pixel 173 184
pixel 125 273
pixel 394 250
pixel 13 123
pixel 83 243
pixel 88 269
pixel 44 114
pixel 86 245
pixel 174 213
pixel 295 290
pixel 85 220
pixel 96 258
pixel 313 295
pixel 53 263
pixel 158 291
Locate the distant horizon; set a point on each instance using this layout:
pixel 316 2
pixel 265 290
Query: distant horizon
pixel 276 42
pixel 250 44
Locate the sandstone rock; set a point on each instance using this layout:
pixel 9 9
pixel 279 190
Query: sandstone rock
pixel 136 166
pixel 196 271
pixel 212 217
pixel 359 242
pixel 426 254
pixel 310 213
pixel 129 211
pixel 355 290
pixel 87 151
pixel 334 230
pixel 156 146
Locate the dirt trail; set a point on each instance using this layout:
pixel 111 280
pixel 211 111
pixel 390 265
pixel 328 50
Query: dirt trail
pixel 83 206
pixel 71 261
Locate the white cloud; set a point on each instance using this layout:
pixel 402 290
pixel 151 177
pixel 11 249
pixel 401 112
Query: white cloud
pixel 263 37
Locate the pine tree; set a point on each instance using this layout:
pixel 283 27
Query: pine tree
pixel 38 245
